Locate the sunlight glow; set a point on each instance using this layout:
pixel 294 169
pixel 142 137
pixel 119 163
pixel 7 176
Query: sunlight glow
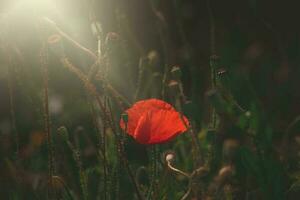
pixel 37 3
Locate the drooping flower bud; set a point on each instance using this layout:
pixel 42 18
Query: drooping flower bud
pixel 226 171
pixel 170 157
pixel 153 59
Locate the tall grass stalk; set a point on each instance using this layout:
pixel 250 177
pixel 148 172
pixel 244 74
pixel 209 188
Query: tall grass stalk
pixel 44 65
pixel 12 106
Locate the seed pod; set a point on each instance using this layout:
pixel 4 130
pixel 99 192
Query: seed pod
pixel 168 156
pixel 153 60
pixel 225 172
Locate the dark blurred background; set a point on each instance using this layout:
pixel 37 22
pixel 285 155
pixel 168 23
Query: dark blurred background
pixel 257 41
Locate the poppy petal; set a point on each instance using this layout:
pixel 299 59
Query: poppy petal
pixel 166 125
pixel 143 130
pixel 137 111
pixel 154 121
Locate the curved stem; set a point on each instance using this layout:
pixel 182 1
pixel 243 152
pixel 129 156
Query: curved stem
pixel 70 39
pixel 177 170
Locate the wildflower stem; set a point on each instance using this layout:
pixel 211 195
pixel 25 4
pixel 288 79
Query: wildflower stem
pixel 101 141
pixel 70 39
pixel 44 64
pixel 125 161
pixel 213 54
pixel 153 155
pixel 177 170
pixel 12 108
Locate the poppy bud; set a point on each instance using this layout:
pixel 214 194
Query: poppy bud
pixel 170 157
pixel 124 117
pixel 63 133
pixel 176 72
pixel 153 59
pixel 226 171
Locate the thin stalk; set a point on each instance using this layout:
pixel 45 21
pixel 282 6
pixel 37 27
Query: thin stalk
pixel 123 157
pixel 162 30
pixel 112 90
pixel 12 108
pixel 93 91
pixel 213 55
pixel 101 141
pixel 153 170
pixel 70 39
pixel 44 64
pixel 177 170
pixel 82 175
pixel 104 156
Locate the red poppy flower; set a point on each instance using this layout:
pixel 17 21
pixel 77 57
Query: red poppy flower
pixel 154 121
